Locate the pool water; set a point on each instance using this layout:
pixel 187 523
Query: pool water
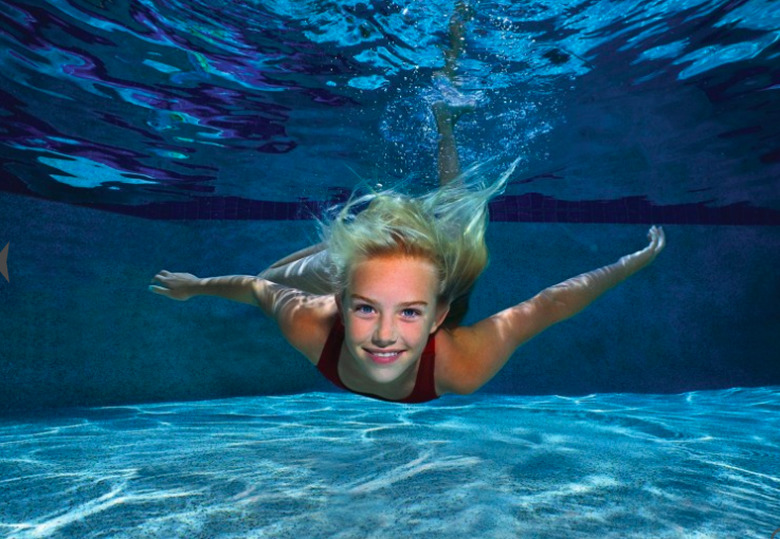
pixel 695 465
pixel 186 109
pixel 205 136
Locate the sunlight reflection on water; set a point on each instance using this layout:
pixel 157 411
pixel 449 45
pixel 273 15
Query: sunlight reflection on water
pixel 702 464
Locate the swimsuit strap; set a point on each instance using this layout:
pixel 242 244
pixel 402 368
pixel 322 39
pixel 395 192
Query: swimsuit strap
pixel 424 386
pixel 328 364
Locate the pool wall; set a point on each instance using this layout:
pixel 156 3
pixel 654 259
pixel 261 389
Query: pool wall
pixel 80 327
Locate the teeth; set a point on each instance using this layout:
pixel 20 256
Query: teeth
pixel 385 354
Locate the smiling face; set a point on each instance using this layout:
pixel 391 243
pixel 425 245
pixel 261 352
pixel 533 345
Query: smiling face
pixel 389 310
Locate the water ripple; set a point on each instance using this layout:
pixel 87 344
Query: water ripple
pixel 702 464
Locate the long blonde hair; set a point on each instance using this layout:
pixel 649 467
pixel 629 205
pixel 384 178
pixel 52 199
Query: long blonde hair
pixel 446 226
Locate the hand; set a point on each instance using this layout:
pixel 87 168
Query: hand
pixel 638 260
pixel 657 242
pixel 179 286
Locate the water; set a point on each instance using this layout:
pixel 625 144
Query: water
pixel 695 465
pixel 660 112
pixel 190 106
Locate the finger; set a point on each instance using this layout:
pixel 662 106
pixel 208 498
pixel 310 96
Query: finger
pixel 654 234
pixel 159 290
pixel 661 239
pixel 160 275
pixel 650 238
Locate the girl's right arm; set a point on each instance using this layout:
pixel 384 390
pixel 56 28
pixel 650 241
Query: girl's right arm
pixel 183 286
pixel 303 318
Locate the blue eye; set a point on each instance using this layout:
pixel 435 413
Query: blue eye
pixel 411 313
pixel 364 309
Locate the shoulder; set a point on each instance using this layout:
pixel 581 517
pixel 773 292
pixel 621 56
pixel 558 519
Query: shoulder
pixel 467 357
pixel 307 326
pixel 452 370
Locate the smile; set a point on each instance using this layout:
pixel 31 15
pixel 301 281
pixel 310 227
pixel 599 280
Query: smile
pixel 384 358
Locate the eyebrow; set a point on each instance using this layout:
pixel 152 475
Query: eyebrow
pixel 404 304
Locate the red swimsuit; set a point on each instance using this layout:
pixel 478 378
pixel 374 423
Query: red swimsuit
pixel 424 386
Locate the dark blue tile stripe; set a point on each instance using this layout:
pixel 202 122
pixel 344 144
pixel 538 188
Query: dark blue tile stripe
pixel 532 208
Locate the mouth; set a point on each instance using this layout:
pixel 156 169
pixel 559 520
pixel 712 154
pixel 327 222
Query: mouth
pixel 384 357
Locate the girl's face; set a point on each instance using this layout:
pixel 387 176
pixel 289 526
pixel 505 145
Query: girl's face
pixel 389 310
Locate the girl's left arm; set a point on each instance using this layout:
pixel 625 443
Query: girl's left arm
pixel 478 352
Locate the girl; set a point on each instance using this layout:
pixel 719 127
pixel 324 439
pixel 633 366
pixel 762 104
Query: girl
pixel 377 305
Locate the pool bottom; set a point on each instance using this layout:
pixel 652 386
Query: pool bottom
pixel 703 464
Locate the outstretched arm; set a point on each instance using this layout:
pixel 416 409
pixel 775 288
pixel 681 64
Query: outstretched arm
pixel 304 319
pixel 566 299
pixel 478 352
pixel 183 286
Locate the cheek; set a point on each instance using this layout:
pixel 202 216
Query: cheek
pixel 415 334
pixel 357 329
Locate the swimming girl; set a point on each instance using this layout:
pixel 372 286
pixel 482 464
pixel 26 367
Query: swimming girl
pixel 378 305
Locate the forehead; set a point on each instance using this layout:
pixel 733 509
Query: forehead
pixel 399 275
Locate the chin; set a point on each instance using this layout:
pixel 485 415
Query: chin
pixel 383 376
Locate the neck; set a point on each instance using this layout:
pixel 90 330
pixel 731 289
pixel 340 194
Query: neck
pixel 354 378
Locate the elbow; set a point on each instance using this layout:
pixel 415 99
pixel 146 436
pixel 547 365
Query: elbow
pixel 553 307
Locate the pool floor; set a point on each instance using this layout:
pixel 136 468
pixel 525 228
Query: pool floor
pixel 703 464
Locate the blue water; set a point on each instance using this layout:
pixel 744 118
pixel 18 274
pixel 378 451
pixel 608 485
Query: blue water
pixel 215 123
pixel 118 105
pixel 697 465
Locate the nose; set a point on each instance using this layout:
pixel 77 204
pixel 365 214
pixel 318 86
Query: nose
pixel 384 333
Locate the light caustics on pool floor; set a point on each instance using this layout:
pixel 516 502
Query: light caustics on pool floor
pixel 704 464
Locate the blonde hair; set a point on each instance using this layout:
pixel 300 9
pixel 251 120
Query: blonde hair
pixel 446 226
